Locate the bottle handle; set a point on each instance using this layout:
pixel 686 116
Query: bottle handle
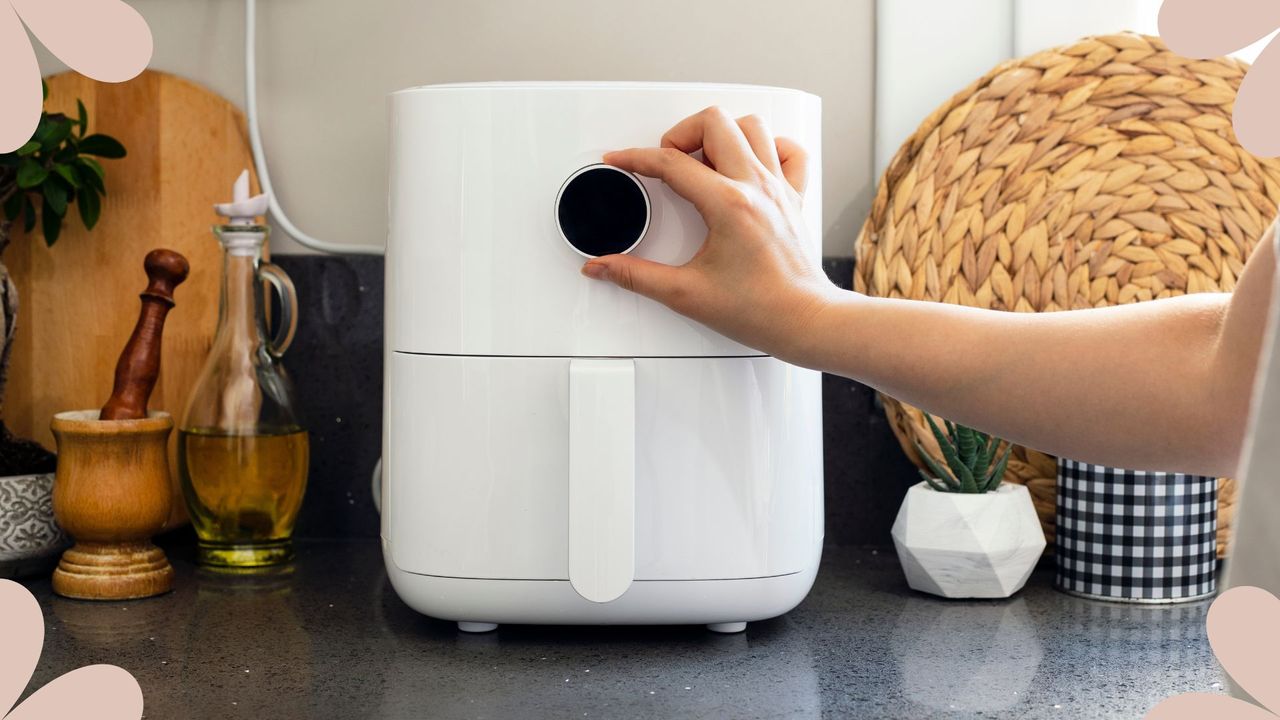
pixel 283 285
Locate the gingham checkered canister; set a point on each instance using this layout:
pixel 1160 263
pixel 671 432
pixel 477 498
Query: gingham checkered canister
pixel 1135 536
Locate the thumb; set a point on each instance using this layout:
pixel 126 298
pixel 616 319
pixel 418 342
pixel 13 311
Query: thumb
pixel 653 280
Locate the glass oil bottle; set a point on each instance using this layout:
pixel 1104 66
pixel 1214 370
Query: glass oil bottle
pixel 242 451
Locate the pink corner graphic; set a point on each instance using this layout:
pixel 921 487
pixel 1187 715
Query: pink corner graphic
pixel 94 691
pixel 1209 28
pixel 1244 631
pixel 103 39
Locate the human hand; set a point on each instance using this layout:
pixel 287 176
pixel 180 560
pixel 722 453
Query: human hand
pixel 754 279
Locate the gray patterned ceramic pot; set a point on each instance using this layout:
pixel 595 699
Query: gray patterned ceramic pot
pixel 30 539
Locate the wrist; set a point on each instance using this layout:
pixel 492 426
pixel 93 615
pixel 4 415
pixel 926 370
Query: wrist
pixel 806 335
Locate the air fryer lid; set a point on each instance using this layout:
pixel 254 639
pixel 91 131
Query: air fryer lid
pixel 498 192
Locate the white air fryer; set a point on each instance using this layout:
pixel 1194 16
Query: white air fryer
pixel 558 450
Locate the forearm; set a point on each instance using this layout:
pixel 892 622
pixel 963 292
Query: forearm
pixel 1134 386
pixel 1159 385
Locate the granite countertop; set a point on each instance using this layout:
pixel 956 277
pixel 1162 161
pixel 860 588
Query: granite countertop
pixel 330 639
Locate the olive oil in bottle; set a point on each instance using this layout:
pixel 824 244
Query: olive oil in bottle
pixel 243 492
pixel 242 451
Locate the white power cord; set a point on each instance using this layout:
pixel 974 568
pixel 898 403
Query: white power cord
pixel 264 181
pixel 260 157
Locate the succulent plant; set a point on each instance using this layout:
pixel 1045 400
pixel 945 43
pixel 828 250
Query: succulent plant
pixel 969 454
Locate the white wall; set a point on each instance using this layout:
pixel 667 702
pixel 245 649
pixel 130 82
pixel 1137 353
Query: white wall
pixel 928 50
pixel 326 66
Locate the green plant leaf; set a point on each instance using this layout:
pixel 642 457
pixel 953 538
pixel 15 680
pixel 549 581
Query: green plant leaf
pixel 44 129
pixel 31 174
pixel 937 434
pixel 13 206
pixel 52 132
pixel 103 146
pixel 967 447
pixel 951 430
pixel 66 154
pixel 28 214
pixel 29 148
pixel 67 173
pixel 55 195
pixel 987 453
pixel 90 206
pixel 58 133
pixel 933 483
pixel 84 117
pixel 959 469
pixel 997 473
pixel 50 223
pixel 945 477
pixel 91 173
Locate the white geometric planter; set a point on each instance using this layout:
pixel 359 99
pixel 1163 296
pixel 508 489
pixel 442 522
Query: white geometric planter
pixel 966 545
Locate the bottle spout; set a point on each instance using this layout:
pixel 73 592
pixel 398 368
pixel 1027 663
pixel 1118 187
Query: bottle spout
pixel 242 210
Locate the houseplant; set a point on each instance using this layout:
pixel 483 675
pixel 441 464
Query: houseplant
pixel 962 532
pixel 39 182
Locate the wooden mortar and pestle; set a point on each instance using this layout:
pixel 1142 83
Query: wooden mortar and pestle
pixel 111 491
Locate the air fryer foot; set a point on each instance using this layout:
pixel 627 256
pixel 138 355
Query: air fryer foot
pixel 727 627
pixel 477 627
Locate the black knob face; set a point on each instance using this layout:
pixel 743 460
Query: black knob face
pixel 602 210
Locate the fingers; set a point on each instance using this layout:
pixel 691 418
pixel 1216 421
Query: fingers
pixel 689 178
pixel 795 163
pixel 653 280
pixel 736 149
pixel 720 139
pixel 760 139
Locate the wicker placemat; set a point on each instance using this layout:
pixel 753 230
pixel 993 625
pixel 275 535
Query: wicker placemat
pixel 1099 173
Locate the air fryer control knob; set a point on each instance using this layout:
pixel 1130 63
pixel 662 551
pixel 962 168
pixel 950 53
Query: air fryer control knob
pixel 602 210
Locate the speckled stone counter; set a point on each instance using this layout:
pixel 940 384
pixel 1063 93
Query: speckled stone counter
pixel 331 640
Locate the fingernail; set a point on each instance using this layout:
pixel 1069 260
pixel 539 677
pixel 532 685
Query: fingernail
pixel 594 270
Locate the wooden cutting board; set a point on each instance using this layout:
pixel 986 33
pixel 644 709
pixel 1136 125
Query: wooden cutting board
pixel 79 299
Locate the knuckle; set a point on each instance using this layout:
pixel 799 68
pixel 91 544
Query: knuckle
pixel 761 177
pixel 794 149
pixel 716 112
pixel 737 198
pixel 773 188
pixel 625 277
pixel 669 156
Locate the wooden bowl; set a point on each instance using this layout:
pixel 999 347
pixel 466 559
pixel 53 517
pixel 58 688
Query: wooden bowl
pixel 111 494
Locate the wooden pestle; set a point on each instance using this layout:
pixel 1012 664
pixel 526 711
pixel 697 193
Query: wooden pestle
pixel 139 364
